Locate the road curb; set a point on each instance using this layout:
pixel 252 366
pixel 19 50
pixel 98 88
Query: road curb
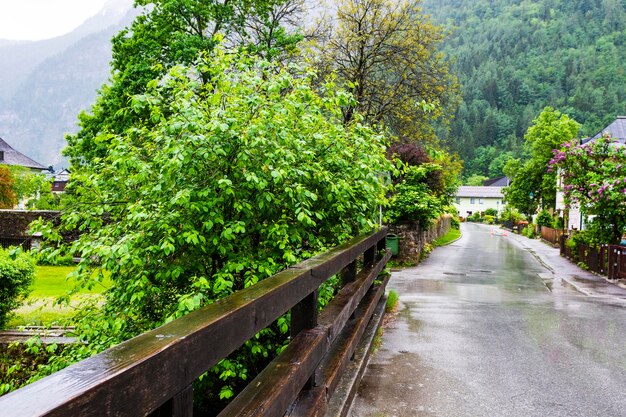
pixel 564 278
pixel 571 284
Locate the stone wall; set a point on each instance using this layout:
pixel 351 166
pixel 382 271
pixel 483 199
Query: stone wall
pixel 413 237
pixel 14 223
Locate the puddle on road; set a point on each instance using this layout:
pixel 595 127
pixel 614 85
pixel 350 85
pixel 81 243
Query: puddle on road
pixel 427 286
pixel 415 326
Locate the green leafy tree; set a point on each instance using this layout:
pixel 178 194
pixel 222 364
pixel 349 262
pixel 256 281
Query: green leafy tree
pixel 532 185
pixel 476 180
pixel 483 157
pixel 425 183
pixel 169 33
pixel 594 179
pixel 496 166
pixel 385 53
pixel 233 181
pixel 33 187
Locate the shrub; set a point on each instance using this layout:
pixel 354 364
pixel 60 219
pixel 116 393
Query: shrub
pixel 53 258
pixel 558 223
pixel 544 218
pixel 488 219
pixel 413 200
pixel 512 215
pixel 491 212
pixel 529 231
pixel 455 222
pixel 475 217
pixel 579 238
pixel 17 270
pixel 428 248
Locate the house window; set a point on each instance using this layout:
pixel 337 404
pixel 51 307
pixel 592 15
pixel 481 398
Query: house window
pixel 458 200
pixel 1 155
pixel 480 201
pixel 472 200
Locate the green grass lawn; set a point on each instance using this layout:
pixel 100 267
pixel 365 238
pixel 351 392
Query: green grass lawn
pixel 449 237
pixel 51 282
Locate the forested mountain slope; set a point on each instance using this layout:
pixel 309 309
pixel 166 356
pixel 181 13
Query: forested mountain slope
pixel 514 58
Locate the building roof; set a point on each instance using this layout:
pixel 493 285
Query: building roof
pixel 9 156
pixel 479 191
pixel 617 130
pixel 497 182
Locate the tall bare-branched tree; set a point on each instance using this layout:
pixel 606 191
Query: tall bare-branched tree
pixel 385 52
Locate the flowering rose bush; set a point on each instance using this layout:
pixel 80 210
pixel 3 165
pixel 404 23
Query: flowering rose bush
pixel 594 178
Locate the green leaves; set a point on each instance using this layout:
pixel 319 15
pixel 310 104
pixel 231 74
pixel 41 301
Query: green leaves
pixel 550 130
pixel 234 181
pixel 17 270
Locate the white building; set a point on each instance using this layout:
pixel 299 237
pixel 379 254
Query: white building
pixel 471 199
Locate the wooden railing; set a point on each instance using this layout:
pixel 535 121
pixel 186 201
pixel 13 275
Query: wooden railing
pixel 609 260
pixel 153 372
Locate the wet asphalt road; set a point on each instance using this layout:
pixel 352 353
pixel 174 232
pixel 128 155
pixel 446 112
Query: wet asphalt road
pixel 478 333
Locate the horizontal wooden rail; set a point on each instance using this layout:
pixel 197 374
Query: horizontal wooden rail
pixel 278 385
pixel 155 370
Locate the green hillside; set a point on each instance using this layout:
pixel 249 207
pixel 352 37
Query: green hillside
pixel 515 57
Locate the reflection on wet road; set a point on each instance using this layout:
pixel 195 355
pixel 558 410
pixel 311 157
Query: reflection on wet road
pixel 478 333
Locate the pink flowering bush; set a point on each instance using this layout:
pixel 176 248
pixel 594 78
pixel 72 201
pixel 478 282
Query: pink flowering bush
pixel 594 178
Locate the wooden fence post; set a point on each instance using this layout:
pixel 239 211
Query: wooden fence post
pixel 304 316
pixel 348 274
pixel 612 263
pixel 369 257
pixel 181 405
pixel 382 244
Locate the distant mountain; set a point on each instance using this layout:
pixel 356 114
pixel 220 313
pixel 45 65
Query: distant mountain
pixel 45 84
pixel 515 57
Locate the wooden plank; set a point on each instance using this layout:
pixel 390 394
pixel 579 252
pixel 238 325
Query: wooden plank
pixel 335 364
pixel 182 403
pixel 277 386
pixel 340 403
pixel 279 383
pixel 129 379
pixel 314 402
pixel 337 313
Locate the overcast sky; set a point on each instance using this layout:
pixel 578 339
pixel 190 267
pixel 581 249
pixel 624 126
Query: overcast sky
pixel 43 19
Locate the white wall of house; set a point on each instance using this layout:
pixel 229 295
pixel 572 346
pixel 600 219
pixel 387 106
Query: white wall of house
pixel 469 205
pixel 575 221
